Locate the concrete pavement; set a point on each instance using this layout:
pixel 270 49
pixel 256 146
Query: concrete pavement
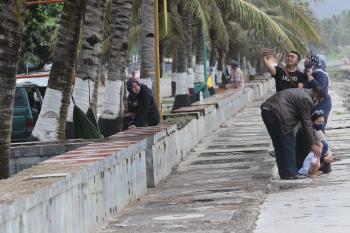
pixel 227 182
pixel 219 187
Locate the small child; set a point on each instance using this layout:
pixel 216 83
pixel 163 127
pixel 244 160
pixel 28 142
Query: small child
pixel 312 164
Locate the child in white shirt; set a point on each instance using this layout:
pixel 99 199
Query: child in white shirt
pixel 311 165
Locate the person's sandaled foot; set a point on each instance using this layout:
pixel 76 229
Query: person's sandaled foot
pixel 319 173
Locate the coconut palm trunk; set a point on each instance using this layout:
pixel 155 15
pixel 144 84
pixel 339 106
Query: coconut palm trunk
pixel 51 123
pixel 199 68
pixel 173 76
pixel 220 68
pixel 95 90
pixel 161 58
pixel 89 62
pixel 10 42
pixel 182 98
pixel 147 45
pixel 213 35
pixel 110 121
pixel 188 31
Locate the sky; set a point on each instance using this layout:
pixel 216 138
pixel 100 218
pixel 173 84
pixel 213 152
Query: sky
pixel 327 8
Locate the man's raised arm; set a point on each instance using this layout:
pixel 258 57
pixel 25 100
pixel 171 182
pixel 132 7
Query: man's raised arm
pixel 269 67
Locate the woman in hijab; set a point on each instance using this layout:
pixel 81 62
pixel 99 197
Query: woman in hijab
pixel 317 75
pixel 141 104
pixel 316 71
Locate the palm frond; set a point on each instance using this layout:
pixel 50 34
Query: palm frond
pixel 299 14
pixel 201 10
pixel 250 16
pixel 218 23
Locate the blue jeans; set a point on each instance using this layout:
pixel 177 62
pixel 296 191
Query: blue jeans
pixel 284 145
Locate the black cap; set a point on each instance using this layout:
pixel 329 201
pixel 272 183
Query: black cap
pixel 316 114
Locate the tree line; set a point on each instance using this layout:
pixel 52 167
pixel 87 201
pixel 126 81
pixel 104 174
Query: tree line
pixel 335 31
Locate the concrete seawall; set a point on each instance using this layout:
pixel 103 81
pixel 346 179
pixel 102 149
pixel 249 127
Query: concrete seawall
pixel 26 155
pixel 76 191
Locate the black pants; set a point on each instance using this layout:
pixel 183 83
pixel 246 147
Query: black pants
pixel 284 145
pixel 303 146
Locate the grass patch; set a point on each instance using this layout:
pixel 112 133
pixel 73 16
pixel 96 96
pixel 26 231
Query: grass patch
pixel 180 120
pixel 168 101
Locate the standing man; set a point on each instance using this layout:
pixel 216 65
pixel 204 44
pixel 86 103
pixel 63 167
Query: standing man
pixel 288 76
pixel 281 113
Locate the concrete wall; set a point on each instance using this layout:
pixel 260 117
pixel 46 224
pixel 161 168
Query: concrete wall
pixel 93 182
pixel 26 155
pixel 77 203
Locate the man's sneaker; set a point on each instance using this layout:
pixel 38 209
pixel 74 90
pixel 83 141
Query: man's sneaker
pixel 295 177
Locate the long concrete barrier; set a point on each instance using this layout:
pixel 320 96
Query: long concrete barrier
pixel 27 154
pixel 76 191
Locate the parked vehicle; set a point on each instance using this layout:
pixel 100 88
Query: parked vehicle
pixel 39 78
pixel 27 106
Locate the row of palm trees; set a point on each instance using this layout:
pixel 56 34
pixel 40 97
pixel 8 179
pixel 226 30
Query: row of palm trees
pixel 92 29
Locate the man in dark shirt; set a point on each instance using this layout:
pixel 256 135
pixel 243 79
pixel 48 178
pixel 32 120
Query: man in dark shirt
pixel 286 77
pixel 142 105
pixel 281 113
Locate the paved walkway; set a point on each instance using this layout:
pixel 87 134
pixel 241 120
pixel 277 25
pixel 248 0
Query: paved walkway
pixel 222 186
pixel 320 204
pixel 217 188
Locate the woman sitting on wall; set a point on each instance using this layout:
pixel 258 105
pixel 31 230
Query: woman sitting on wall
pixel 141 105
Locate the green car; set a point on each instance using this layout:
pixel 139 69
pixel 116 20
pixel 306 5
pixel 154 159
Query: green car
pixel 27 106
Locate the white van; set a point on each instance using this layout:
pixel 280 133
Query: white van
pixel 40 79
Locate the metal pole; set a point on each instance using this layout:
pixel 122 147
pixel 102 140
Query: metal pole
pixel 166 16
pixel 156 50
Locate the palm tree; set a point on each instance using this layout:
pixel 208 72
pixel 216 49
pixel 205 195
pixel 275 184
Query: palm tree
pixel 11 30
pixel 181 96
pixel 111 118
pixel 222 16
pixel 199 68
pixel 188 31
pixel 147 45
pixel 89 64
pixel 52 119
pixel 297 21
